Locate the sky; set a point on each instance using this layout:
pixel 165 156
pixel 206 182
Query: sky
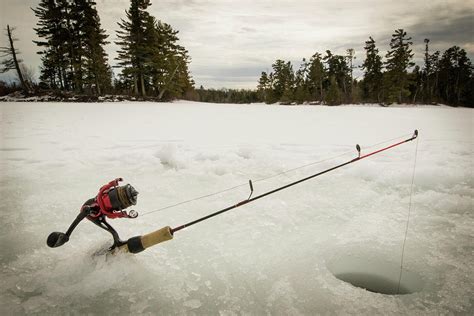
pixel 232 42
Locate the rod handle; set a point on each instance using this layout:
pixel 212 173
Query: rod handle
pixel 156 237
pixel 139 243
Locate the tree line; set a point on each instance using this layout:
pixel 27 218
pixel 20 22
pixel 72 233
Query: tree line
pixel 225 95
pixel 152 63
pixel 150 59
pixel 444 78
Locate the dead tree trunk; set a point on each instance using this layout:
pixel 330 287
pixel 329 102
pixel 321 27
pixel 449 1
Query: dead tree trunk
pixel 13 52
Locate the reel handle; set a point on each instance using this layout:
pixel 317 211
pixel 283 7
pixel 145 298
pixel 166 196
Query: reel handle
pixel 57 239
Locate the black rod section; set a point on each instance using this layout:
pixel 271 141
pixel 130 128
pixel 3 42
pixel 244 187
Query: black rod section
pixel 415 135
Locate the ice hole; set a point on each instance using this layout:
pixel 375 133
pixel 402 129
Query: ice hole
pixel 375 274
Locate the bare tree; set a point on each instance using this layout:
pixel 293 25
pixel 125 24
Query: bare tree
pixel 11 62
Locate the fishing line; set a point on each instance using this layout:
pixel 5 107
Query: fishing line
pixel 408 218
pixel 269 177
pixel 106 203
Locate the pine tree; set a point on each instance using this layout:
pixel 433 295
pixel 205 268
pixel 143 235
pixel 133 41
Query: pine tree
pixel 135 49
pixel 333 96
pixel 72 41
pixel 398 61
pixel 152 61
pixel 264 86
pixel 338 68
pixel 372 66
pixel 434 77
pixel 415 83
pixel 455 76
pixel 301 93
pixel 430 74
pixel 53 33
pixel 169 62
pixel 316 76
pixel 97 73
pixel 283 80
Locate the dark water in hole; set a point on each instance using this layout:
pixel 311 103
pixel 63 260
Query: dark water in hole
pixel 374 283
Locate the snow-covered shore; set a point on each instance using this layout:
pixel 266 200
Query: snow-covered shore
pixel 275 256
pixel 64 98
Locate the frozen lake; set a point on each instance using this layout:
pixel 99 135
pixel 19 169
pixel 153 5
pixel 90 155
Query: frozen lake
pixel 278 255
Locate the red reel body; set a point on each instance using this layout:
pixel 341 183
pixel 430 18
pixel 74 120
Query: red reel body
pixel 112 199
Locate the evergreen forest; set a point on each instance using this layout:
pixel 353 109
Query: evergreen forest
pixel 152 64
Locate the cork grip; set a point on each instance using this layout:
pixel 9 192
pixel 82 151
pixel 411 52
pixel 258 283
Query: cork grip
pixel 139 243
pixel 156 237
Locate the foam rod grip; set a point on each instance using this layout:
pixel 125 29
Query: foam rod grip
pixel 140 243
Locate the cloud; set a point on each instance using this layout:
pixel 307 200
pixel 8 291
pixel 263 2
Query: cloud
pixel 447 31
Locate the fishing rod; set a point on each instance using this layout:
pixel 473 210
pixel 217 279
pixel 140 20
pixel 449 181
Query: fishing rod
pixel 140 243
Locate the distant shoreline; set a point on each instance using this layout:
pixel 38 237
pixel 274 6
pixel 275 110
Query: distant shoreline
pixel 57 98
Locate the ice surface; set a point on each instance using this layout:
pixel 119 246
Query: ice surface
pixel 270 257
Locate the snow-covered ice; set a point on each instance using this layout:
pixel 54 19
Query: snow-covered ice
pixel 275 256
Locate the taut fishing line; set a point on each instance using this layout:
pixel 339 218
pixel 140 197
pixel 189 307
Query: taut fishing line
pixel 408 218
pixel 267 178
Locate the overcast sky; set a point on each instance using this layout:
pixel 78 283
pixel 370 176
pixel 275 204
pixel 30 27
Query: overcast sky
pixel 232 42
